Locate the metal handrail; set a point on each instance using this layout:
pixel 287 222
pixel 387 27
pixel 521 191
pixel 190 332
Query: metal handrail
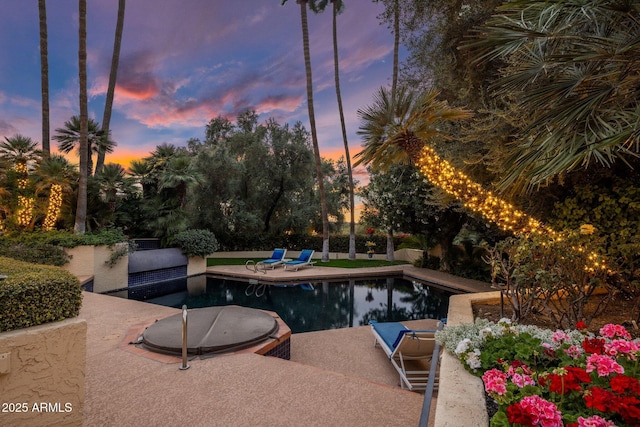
pixel 428 393
pixel 184 339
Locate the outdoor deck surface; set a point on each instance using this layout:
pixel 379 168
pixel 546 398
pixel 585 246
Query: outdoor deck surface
pixel 334 378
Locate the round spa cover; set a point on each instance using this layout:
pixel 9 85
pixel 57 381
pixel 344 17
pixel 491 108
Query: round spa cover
pixel 211 330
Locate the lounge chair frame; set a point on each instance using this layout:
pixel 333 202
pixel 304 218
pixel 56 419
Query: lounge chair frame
pixel 303 260
pixel 410 355
pixel 272 262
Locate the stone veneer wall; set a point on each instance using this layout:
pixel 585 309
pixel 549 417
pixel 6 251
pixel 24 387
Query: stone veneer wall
pixel 461 399
pixel 46 365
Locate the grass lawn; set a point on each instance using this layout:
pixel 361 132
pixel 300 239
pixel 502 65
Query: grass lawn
pixel 342 263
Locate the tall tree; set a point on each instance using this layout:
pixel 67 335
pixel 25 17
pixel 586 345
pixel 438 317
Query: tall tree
pixel 337 8
pixel 396 128
pixel 44 75
pixel 113 75
pixel 312 124
pixel 69 138
pixel 81 208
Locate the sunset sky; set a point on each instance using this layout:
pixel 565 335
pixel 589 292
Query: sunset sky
pixel 184 62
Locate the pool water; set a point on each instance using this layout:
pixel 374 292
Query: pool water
pixel 313 306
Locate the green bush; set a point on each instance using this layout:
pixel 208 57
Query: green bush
pixel 47 247
pixel 35 294
pixel 196 242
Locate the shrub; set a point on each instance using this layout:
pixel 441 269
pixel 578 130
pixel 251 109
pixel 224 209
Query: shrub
pixel 47 247
pixel 35 294
pixel 196 242
pixel 554 276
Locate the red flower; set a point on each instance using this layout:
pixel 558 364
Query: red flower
pixel 572 380
pixel 516 414
pixel 593 345
pixel 623 384
pixel 581 325
pixel 629 408
pixel 371 230
pixel 600 399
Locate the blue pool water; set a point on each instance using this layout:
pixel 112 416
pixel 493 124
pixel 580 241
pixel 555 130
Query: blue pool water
pixel 310 306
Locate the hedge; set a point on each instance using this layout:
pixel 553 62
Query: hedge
pixel 34 294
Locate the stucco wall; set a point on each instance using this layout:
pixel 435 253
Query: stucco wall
pixel 91 261
pixel 46 364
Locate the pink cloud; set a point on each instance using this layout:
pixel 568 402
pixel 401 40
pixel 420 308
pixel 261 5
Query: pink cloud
pixel 282 102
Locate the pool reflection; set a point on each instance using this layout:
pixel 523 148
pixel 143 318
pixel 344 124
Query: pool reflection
pixel 318 305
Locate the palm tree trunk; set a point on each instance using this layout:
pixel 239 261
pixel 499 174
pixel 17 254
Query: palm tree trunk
pixel 352 223
pixel 113 75
pixel 314 136
pixel 44 76
pixel 81 207
pixel 396 46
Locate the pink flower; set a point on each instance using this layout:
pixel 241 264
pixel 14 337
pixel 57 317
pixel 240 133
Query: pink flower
pixel 522 380
pixel 611 331
pixel 605 365
pixel 616 347
pixel 543 412
pixel 495 381
pixel 574 351
pixel 560 336
pixel 595 421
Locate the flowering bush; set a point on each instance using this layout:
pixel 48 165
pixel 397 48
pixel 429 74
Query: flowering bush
pixel 540 377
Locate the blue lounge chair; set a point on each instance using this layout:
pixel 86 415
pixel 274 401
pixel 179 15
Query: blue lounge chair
pixel 277 258
pixel 303 260
pixel 410 352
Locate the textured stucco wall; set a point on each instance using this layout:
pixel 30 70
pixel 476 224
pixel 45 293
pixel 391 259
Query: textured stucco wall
pixel 91 261
pixel 461 395
pixel 45 382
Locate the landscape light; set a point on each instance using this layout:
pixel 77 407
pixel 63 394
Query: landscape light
pixel 53 211
pixel 25 210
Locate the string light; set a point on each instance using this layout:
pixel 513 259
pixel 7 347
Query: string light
pixel 21 169
pixel 25 210
pixel 454 182
pixel 53 211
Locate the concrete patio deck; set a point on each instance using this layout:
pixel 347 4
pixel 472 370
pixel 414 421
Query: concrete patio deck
pixel 334 378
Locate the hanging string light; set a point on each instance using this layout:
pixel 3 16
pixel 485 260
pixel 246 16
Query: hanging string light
pixel 454 182
pixel 53 211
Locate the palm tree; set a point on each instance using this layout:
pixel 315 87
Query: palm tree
pixel 113 75
pixel 69 136
pixel 312 123
pixel 81 208
pixel 396 128
pixel 573 68
pixel 19 149
pixel 113 182
pixel 54 177
pixel 337 8
pixel 395 131
pixel 179 174
pixel 140 170
pixel 44 75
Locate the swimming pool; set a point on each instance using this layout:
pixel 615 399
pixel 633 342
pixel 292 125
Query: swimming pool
pixel 312 306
